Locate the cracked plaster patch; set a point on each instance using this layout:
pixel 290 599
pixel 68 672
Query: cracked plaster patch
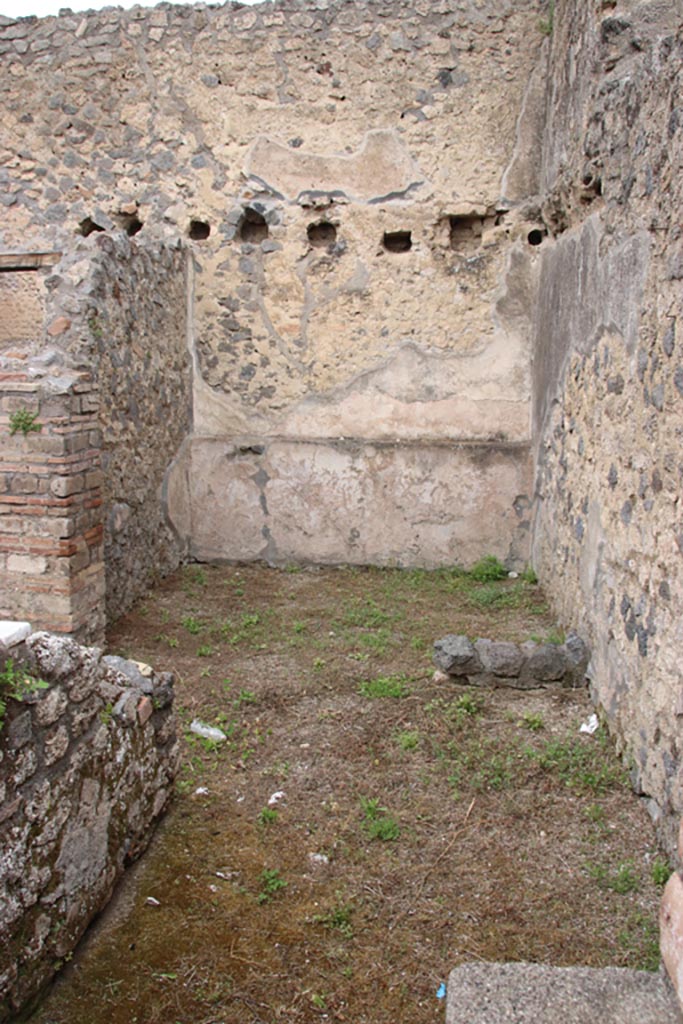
pixel 381 167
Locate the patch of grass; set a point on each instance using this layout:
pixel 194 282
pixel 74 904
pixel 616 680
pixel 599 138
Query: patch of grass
pixel 196 575
pixel 377 822
pixel 170 641
pixel 408 740
pixel 661 871
pixel 498 595
pixel 205 651
pixel 245 697
pixel 622 880
pixel 487 569
pixel 545 25
pixel 582 765
pixel 529 576
pixel 377 641
pixel 192 625
pixel 267 816
pixel 365 614
pixel 553 636
pixel 531 721
pixel 271 883
pixel 384 686
pixel 338 918
pixel 456 712
pixel 596 814
pixel 246 630
pixel 639 938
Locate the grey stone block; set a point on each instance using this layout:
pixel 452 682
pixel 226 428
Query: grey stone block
pixel 500 657
pixel 456 655
pixel 538 994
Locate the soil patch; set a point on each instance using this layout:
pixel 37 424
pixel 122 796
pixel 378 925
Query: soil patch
pixel 362 829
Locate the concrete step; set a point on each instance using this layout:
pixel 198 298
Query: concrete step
pixel 519 993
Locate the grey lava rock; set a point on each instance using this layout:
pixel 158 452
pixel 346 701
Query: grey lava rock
pixel 456 655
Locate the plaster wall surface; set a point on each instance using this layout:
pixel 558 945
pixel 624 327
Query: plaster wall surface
pixel 608 407
pixel 352 180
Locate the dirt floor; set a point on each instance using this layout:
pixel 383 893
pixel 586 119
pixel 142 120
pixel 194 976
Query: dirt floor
pixel 363 829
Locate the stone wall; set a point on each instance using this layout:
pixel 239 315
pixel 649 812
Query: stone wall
pixel 99 357
pixel 86 767
pixel 609 374
pixel 353 179
pixel 121 308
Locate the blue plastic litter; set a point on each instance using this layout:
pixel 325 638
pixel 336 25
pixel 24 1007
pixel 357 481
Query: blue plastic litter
pixel 441 991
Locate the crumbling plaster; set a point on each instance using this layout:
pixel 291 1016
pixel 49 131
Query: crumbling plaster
pixel 245 131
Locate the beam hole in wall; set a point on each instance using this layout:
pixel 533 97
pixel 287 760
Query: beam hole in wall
pixel 87 226
pixel 536 236
pixel 253 227
pixel 199 230
pixel 465 232
pixel 130 223
pixel 322 234
pixel 397 241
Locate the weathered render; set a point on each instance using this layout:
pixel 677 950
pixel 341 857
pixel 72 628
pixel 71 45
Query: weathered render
pixel 348 180
pixel 86 767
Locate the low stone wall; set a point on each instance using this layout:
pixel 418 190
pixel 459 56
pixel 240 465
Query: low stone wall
pixel 87 763
pixel 526 666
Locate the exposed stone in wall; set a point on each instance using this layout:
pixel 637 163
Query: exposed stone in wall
pixel 340 171
pixel 51 533
pixel 129 325
pixel 116 308
pixel 86 767
pixel 609 382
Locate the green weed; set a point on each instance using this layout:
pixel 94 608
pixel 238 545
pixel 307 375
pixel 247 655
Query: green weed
pixel 365 614
pixel 15 682
pixel 377 822
pixel 661 871
pixel 267 816
pixel 487 569
pixel 579 765
pixel 192 625
pixel 531 721
pixel 24 422
pixel 408 740
pixel 545 25
pixel 456 712
pixel 337 919
pixel 246 697
pixel 622 880
pixel 271 883
pixel 640 938
pixel 384 686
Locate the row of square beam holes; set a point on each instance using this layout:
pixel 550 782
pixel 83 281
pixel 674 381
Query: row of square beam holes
pixel 465 232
